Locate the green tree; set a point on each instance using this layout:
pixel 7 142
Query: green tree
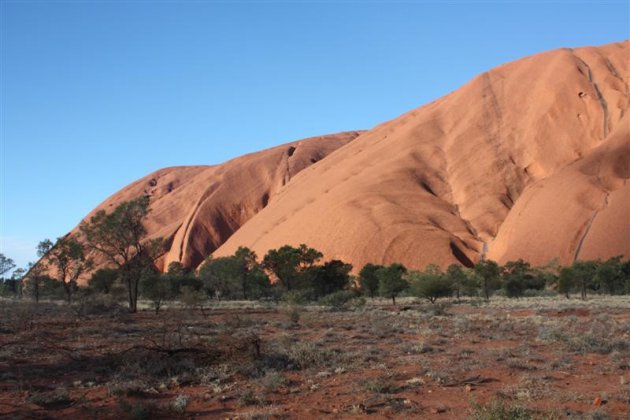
pixel 288 264
pixel 431 284
pixel 566 281
pixel 331 277
pixel 584 275
pixel 625 270
pixel 66 260
pixel 157 288
pixel 247 262
pixel 179 277
pixel 457 277
pixel 220 277
pixel 103 280
pixel 176 268
pixel 120 237
pixel 8 286
pixel 489 275
pixel 13 285
pixel 368 281
pixel 6 265
pixel 609 276
pixel 391 281
pixel 519 276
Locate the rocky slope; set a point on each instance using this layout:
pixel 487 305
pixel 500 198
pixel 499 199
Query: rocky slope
pixel 196 208
pixel 528 160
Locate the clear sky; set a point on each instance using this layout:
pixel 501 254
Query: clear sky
pixel 96 94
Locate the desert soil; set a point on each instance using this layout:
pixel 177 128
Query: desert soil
pixel 554 357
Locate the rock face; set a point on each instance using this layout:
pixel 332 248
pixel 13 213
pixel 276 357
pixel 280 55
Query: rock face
pixel 528 160
pixel 196 208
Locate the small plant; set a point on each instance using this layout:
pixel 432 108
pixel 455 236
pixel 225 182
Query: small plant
pixel 249 398
pixel 139 411
pixel 337 300
pixel 51 400
pixel 306 355
pixel 497 409
pixel 127 388
pixel 293 313
pixel 180 403
pixel 273 380
pixel 381 386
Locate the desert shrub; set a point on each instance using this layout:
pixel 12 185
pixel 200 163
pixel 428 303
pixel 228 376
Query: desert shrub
pixel 305 355
pixel 192 298
pixel 602 338
pixel 292 313
pixel 139 410
pixel 381 386
pixel 89 304
pixel 338 300
pixel 51 400
pixel 272 380
pixel 538 293
pixel 128 388
pixel 249 398
pixel 298 296
pixel 180 403
pixel 497 409
pixel 357 303
pixel 18 316
pixel 439 309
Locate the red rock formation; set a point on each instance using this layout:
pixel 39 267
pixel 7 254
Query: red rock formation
pixel 528 160
pixel 517 162
pixel 196 208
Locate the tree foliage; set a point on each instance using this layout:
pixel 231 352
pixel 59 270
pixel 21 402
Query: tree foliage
pixel 6 265
pixel 489 277
pixel 120 237
pixel 239 276
pixel 331 277
pixel 431 284
pixel 368 280
pixel 391 281
pixel 288 264
pixel 65 261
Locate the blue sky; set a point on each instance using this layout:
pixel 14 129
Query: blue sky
pixel 97 94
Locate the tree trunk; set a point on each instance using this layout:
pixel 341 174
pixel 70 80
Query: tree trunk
pixel 244 284
pixel 136 282
pixel 66 287
pixel 394 299
pixel 129 293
